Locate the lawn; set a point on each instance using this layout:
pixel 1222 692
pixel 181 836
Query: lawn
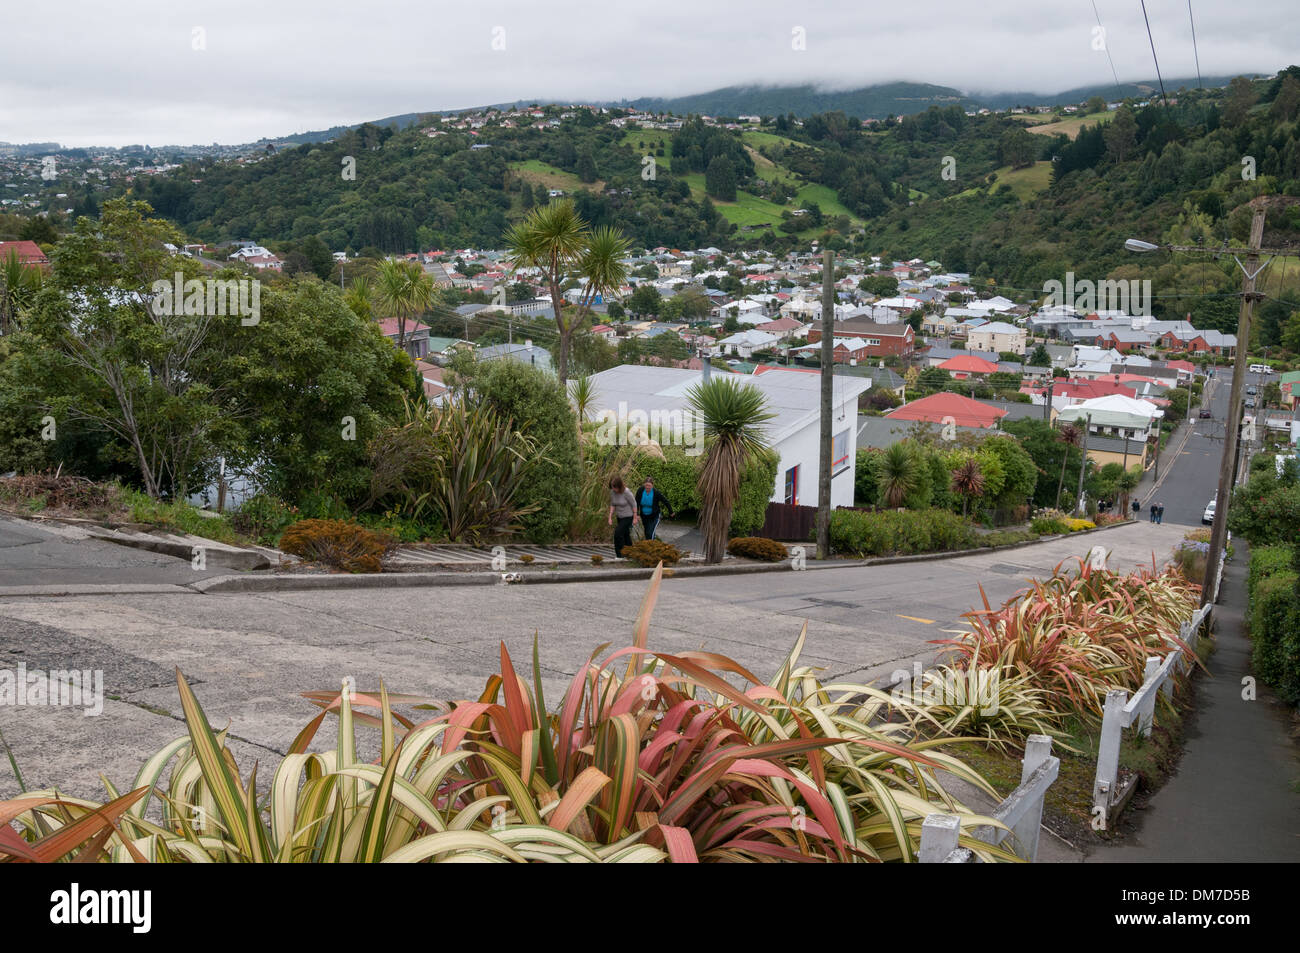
pixel 654 139
pixel 540 173
pixel 746 210
pixel 1070 126
pixel 1024 183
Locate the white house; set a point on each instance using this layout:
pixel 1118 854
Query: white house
pixel 655 397
pixel 745 343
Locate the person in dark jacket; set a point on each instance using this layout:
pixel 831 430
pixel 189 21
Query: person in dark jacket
pixel 650 504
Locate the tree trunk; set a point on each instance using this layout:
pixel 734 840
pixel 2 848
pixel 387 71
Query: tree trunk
pixel 562 358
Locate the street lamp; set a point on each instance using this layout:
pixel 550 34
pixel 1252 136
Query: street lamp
pixel 1137 245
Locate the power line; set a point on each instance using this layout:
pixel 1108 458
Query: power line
pixel 1151 40
pixel 1106 47
pixel 1195 51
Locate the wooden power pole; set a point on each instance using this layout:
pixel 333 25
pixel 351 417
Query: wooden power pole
pixel 1249 270
pixel 827 408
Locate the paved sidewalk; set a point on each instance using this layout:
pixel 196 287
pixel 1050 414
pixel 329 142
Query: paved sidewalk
pixel 1236 796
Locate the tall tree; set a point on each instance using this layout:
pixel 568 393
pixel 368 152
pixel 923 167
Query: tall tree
pixel 730 417
pixel 557 241
pixel 720 179
pixel 404 290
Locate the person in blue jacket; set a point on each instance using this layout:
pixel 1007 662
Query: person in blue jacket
pixel 650 504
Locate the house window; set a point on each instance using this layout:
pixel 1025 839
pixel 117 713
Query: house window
pixel 840 453
pixel 873 342
pixel 792 485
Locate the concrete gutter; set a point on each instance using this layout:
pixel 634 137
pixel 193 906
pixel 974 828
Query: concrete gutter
pixel 306 581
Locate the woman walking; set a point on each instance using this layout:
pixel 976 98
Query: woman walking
pixel 622 506
pixel 649 504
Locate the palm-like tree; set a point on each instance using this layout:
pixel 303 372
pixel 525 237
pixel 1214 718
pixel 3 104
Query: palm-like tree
pixel 1127 483
pixel 899 473
pixel 18 285
pixel 405 290
pixel 360 297
pixel 1070 436
pixel 730 417
pixel 555 239
pixel 968 482
pixel 582 395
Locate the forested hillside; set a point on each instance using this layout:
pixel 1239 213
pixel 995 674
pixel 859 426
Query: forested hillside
pixel 1016 200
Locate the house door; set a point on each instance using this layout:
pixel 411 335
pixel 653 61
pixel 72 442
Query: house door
pixel 792 485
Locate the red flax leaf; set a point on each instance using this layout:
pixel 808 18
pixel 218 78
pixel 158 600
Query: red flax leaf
pixel 678 843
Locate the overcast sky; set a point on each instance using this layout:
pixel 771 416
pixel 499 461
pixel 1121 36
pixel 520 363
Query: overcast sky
pixel 143 71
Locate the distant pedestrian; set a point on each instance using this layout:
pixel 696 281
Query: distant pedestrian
pixel 1137 508
pixel 650 504
pixel 622 506
pixel 1160 512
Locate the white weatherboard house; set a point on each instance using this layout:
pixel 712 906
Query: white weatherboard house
pixel 794 396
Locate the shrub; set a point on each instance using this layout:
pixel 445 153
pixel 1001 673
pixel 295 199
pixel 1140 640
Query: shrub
pixel 534 399
pixel 1074 525
pixel 338 543
pixel 466 467
pixel 668 758
pixel 1005 537
pixel 597 559
pixel 1048 526
pixel 903 533
pixel 263 517
pixel 1275 619
pixel 650 552
pixel 676 476
pixel 57 492
pixel 757 547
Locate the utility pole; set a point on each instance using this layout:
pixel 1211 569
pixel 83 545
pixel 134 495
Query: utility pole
pixel 1047 407
pixel 1083 463
pixel 1250 270
pixel 828 385
pixel 1227 465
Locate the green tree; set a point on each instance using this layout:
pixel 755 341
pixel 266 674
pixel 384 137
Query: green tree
pixel 720 179
pixel 124 357
pixel 1121 134
pixel 1039 357
pixel 897 474
pixel 538 404
pixel 644 300
pixel 730 417
pixel 19 284
pixel 555 239
pixel 404 290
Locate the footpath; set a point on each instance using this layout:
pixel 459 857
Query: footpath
pixel 1236 794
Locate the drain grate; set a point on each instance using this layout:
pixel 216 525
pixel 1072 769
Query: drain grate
pixel 1007 569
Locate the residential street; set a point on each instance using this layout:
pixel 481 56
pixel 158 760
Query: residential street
pixel 250 653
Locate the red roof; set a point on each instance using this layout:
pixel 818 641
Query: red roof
pixel 968 363
pixel 389 326
pixel 1187 366
pixel 945 407
pixel 29 253
pixel 780 324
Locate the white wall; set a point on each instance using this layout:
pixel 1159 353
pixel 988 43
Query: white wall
pixel 803 448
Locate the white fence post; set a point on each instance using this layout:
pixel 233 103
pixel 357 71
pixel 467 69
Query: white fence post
pixel 1167 686
pixel 1038 748
pixel 1112 728
pixel 939 834
pixel 1146 714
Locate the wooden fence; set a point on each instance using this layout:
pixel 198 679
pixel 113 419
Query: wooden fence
pixel 1121 712
pixel 1021 813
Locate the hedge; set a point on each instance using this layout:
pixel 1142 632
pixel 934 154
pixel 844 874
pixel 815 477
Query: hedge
pixel 891 533
pixel 1272 582
pixel 676 477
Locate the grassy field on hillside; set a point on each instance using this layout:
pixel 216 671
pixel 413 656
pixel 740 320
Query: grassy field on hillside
pixel 538 172
pixel 654 139
pixel 1024 183
pixel 1070 126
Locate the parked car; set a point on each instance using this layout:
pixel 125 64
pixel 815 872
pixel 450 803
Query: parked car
pixel 1208 516
pixel 1250 402
pixel 1205 414
pixel 1251 390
